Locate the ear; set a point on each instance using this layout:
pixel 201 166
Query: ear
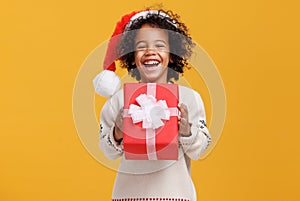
pixel 133 63
pixel 171 60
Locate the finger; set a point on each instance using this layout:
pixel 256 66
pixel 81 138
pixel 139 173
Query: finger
pixel 184 127
pixel 119 119
pixel 183 111
pixel 119 124
pixel 183 121
pixel 120 112
pixel 183 108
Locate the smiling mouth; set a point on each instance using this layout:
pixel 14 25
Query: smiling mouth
pixel 151 63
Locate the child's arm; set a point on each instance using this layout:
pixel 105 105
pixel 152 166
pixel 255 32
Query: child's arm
pixel 199 138
pixel 111 148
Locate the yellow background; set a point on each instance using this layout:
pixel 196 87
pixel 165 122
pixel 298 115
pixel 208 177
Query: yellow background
pixel 255 45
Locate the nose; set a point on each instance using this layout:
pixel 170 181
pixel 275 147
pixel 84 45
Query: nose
pixel 150 51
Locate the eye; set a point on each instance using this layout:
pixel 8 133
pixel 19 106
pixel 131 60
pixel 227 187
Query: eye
pixel 161 46
pixel 141 46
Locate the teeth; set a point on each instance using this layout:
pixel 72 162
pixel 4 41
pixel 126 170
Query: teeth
pixel 151 62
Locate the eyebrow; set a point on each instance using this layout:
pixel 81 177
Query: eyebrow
pixel 143 41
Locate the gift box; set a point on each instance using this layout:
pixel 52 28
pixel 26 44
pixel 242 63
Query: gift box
pixel 150 124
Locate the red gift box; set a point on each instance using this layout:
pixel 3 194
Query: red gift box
pixel 142 139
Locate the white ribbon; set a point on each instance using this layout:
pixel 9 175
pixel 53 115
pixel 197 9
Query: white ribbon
pixel 150 111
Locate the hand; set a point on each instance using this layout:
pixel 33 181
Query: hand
pixel 183 121
pixel 118 132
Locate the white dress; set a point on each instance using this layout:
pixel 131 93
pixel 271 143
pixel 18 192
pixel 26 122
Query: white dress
pixel 162 179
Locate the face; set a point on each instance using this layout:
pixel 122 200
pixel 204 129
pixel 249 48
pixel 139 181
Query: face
pixel 152 54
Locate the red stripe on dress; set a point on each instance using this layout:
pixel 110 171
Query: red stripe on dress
pixel 150 199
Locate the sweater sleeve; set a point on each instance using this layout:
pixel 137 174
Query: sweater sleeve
pixel 198 141
pixel 108 145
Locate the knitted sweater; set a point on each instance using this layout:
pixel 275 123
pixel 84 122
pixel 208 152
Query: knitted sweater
pixel 162 179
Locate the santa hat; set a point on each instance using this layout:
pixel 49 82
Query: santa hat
pixel 107 82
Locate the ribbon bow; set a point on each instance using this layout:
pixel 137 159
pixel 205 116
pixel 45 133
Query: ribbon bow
pixel 151 112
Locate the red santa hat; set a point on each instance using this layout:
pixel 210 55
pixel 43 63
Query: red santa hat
pixel 107 82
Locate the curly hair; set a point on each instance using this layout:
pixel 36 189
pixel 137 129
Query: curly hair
pixel 180 42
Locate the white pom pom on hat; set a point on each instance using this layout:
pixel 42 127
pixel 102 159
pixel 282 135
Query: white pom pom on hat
pixel 107 83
